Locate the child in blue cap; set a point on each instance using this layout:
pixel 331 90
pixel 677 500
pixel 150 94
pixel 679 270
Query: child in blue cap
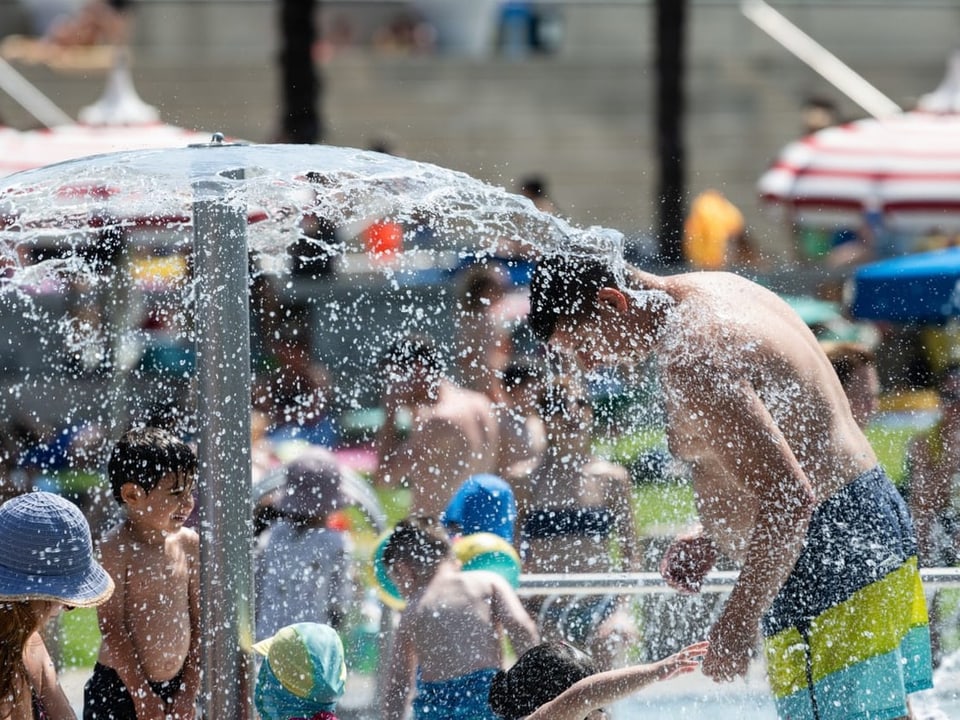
pixel 303 673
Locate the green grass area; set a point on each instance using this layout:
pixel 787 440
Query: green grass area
pixel 79 638
pixel 890 444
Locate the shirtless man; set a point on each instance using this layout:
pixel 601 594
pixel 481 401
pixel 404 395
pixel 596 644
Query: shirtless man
pixel 785 481
pixel 453 432
pixel 449 643
pixel 574 508
pixel 148 666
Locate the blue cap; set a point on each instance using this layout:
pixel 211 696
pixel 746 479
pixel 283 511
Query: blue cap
pixel 484 503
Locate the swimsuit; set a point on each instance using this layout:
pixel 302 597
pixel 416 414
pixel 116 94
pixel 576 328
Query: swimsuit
pixel 38 712
pixel 105 697
pixel 460 698
pixel 556 522
pixel 847 635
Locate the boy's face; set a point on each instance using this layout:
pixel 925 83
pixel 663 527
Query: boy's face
pixel 166 507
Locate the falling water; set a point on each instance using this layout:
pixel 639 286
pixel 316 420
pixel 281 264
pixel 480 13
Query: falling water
pixel 71 236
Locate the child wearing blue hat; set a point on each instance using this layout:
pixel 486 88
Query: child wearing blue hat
pixel 302 675
pixel 47 564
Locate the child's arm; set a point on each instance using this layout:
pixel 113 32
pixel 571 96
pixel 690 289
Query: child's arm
pixel 596 691
pixel 185 702
pixel 122 652
pixel 507 610
pixel 400 672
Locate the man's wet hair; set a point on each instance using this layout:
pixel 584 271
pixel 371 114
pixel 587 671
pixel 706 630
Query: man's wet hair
pixel 418 539
pixel 145 455
pixel 413 349
pixel 564 290
pixel 542 673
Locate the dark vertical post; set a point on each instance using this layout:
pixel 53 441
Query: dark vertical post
pixel 223 447
pixel 300 83
pixel 670 109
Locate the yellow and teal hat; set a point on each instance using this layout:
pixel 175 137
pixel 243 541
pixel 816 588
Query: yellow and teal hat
pixel 304 672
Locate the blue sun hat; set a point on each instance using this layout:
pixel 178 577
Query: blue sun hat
pixel 304 672
pixel 48 554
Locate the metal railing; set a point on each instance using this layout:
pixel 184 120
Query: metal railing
pixel 650 583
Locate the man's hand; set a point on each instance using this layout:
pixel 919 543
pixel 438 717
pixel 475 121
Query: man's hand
pixel 732 646
pixel 687 561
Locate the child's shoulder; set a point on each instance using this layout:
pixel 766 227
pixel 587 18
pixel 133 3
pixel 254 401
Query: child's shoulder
pixel 187 537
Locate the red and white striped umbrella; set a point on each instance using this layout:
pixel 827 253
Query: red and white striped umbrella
pixel 906 167
pixel 25 150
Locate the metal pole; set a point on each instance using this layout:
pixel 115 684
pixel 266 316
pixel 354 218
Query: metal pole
pixel 223 409
pixel 651 583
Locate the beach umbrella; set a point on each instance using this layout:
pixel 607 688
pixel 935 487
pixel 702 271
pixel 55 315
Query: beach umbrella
pixel 922 288
pixel 904 169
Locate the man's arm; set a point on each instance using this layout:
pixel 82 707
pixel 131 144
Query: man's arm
pixel 748 444
pixel 399 676
pixel 185 702
pixel 122 652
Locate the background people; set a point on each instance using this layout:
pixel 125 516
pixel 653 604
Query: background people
pixel 575 515
pixel 303 673
pixel 451 429
pixel 304 568
pixel 556 681
pixel 933 490
pixel 856 367
pixel 149 660
pixel 523 437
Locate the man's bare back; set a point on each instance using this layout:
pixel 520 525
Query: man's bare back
pixel 741 371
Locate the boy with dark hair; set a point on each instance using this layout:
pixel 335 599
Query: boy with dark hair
pixel 449 642
pixel 148 665
pixel 786 482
